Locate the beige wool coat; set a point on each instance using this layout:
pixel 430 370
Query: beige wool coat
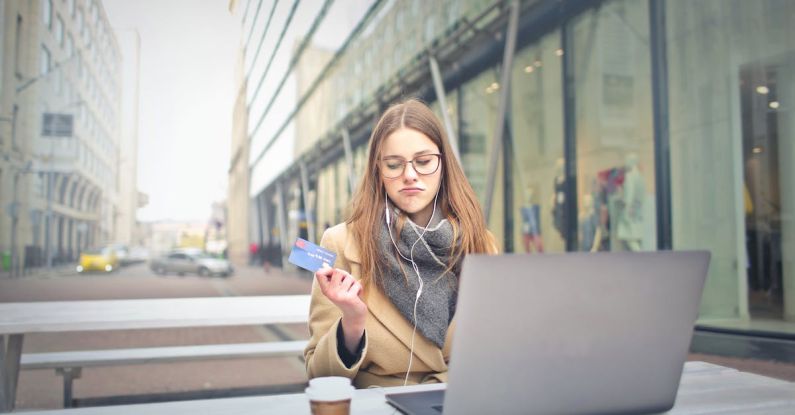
pixel 387 333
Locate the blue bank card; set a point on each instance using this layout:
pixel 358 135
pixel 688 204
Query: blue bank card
pixel 309 256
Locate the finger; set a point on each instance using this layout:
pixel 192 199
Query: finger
pixel 322 281
pixel 336 278
pixel 346 276
pixel 324 271
pixel 358 289
pixel 348 284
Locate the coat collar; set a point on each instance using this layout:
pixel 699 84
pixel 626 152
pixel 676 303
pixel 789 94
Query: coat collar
pixel 351 251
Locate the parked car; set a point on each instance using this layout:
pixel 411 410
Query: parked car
pixel 138 254
pixel 122 253
pixel 99 259
pixel 191 261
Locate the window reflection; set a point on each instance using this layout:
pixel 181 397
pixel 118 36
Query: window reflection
pixel 479 101
pixel 537 140
pixel 615 148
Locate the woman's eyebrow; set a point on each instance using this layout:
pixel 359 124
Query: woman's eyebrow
pixel 423 152
pixel 419 153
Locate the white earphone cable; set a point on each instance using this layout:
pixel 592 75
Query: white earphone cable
pixel 416 269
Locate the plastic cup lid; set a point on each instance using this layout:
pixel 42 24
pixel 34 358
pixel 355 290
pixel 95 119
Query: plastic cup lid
pixel 329 381
pixel 329 389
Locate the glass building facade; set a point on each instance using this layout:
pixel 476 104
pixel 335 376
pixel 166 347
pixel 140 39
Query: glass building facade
pixel 631 125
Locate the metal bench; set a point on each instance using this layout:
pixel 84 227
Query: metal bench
pixel 70 364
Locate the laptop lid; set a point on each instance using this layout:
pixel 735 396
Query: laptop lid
pixel 573 333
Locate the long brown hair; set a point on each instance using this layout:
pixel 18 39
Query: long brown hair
pixel 457 200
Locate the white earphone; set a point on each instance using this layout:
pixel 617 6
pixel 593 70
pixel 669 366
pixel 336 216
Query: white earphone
pixel 413 265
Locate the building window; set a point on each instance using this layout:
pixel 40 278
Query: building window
pixel 536 138
pixel 615 145
pixel 86 33
pixel 71 7
pixel 79 68
pixel 18 47
pixel 80 22
pixel 430 30
pixel 46 13
pixel 479 101
pixel 45 60
pixel 69 47
pixel 59 30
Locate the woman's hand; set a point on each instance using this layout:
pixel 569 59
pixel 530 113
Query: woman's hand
pixel 345 292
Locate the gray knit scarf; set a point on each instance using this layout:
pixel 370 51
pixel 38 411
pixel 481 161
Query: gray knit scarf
pixel 431 254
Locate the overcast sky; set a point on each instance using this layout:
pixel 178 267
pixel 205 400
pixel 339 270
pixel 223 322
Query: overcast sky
pixel 187 88
pixel 187 91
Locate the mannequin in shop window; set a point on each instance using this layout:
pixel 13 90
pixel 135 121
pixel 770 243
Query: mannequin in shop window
pixel 630 220
pixel 559 200
pixel 589 226
pixel 531 223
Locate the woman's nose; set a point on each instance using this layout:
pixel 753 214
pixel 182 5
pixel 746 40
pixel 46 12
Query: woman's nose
pixel 409 172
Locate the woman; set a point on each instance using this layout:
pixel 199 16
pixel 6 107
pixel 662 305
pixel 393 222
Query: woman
pixel 412 220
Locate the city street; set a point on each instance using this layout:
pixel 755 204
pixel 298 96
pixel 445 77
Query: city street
pixel 43 388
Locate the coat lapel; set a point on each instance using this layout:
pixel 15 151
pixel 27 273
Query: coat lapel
pixel 382 308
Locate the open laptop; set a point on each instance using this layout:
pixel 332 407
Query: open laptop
pixel 569 333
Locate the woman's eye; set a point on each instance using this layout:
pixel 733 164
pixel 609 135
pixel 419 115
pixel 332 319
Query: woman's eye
pixel 393 165
pixel 422 162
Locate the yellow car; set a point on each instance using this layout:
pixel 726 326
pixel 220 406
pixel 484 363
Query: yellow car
pixel 102 259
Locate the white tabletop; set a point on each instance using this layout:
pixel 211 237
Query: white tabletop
pixel 58 316
pixel 704 389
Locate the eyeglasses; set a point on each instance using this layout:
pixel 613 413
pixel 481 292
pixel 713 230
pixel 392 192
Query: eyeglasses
pixel 394 167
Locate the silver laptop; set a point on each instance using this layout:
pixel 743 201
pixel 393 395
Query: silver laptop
pixel 569 333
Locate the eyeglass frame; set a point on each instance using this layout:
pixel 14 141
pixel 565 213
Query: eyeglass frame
pixel 406 162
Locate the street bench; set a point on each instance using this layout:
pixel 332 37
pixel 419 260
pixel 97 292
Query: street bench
pixel 70 364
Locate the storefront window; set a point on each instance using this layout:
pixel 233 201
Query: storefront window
pixel 615 147
pixel 479 101
pixel 451 102
pixel 731 96
pixel 537 141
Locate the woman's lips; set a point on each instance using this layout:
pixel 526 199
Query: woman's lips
pixel 410 191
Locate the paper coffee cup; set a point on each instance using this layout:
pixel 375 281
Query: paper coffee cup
pixel 330 395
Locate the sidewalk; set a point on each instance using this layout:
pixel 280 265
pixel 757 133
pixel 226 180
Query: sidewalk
pixel 43 272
